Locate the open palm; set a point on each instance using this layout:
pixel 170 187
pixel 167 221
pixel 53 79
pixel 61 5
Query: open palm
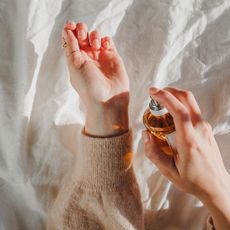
pixel 94 64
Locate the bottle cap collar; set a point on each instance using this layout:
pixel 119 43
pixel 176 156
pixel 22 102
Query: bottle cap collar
pixel 156 108
pixel 155 105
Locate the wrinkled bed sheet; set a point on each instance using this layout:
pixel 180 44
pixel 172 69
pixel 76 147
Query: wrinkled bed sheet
pixel 163 43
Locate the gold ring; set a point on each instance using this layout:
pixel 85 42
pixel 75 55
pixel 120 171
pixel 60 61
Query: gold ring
pixel 64 45
pixel 75 51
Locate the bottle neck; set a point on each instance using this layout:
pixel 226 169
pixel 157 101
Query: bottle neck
pixel 156 108
pixel 160 112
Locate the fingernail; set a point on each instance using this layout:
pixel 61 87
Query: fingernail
pixel 81 34
pixel 145 135
pixel 154 90
pixel 96 43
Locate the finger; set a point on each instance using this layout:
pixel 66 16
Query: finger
pixel 189 101
pixel 65 40
pixel 153 151
pixel 108 44
pixel 73 53
pixel 179 112
pixel 69 25
pixel 95 40
pixel 82 34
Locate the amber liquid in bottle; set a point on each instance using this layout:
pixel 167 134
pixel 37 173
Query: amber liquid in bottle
pixel 160 123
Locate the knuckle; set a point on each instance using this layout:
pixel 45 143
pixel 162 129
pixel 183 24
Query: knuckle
pixel 163 93
pixel 84 67
pixel 206 128
pixel 183 114
pixel 188 139
pixel 81 25
pixel 94 33
pixel 192 147
pixel 190 143
pixel 188 94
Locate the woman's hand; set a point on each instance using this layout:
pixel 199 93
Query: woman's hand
pixel 98 74
pixel 197 168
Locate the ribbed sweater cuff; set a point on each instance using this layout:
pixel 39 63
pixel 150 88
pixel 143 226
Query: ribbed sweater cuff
pixel 105 163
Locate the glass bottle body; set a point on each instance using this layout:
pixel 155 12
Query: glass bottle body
pixel 162 127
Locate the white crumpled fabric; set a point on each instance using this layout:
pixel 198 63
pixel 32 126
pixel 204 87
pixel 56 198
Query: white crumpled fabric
pixel 169 42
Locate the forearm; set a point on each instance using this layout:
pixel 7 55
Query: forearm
pixel 219 206
pixel 108 119
pixel 107 124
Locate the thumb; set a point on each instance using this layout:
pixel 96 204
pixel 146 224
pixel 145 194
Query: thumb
pixel 153 150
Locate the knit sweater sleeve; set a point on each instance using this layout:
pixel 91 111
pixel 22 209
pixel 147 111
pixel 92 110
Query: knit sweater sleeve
pixel 103 192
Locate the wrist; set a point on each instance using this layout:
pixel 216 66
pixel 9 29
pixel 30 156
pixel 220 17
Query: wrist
pixel 107 120
pixel 220 190
pixel 218 201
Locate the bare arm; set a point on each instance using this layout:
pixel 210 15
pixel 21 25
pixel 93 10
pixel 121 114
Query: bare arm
pixel 198 167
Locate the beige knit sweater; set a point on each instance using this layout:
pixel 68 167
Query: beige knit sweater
pixel 102 193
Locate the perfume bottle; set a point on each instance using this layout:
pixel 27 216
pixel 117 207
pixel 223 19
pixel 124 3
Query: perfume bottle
pixel 160 123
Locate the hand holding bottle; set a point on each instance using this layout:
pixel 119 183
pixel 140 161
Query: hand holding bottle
pixel 197 168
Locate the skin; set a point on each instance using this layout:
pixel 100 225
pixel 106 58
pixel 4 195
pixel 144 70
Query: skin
pixel 98 75
pixel 197 168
